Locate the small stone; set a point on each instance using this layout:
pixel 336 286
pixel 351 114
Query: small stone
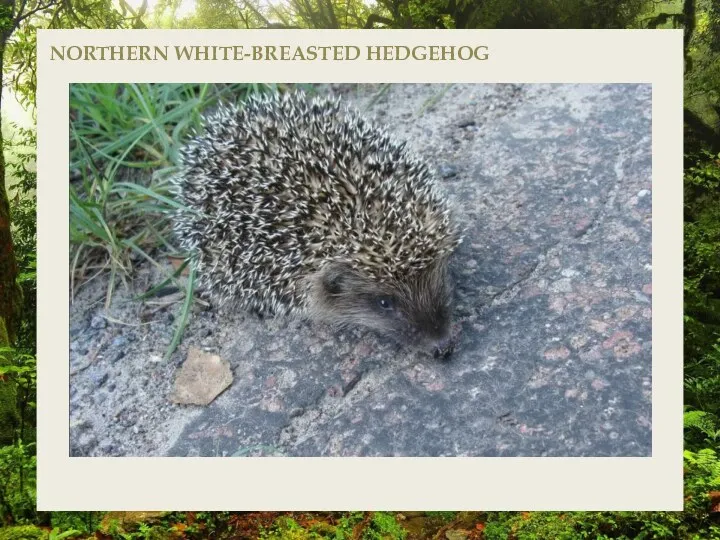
pixel 100 379
pixel 557 353
pixel 456 534
pixel 643 193
pixel 466 122
pixel 201 378
pixel 98 322
pixel 119 341
pixel 562 285
pixel 116 355
pixel 107 448
pixel 447 171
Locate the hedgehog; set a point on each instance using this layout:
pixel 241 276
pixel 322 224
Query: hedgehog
pixel 300 206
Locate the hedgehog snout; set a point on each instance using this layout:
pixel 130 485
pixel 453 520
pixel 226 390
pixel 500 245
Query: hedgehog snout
pixel 444 347
pixel 436 336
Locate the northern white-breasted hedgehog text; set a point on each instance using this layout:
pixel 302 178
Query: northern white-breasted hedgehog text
pixel 301 206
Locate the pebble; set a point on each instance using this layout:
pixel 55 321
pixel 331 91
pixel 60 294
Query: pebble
pixel 447 171
pixel 107 448
pixel 120 341
pixel 116 355
pixel 562 285
pixel 205 332
pixel 98 322
pixel 100 379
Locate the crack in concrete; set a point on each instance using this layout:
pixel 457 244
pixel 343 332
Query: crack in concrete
pixel 537 268
pixel 328 408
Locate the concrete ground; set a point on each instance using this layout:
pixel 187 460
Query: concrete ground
pixel 553 307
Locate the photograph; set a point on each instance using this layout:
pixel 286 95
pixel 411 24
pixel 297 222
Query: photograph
pixel 426 270
pixel 356 269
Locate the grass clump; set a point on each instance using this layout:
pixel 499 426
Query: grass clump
pixel 124 145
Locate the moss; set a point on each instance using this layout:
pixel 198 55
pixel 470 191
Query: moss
pixel 23 532
pixel 9 416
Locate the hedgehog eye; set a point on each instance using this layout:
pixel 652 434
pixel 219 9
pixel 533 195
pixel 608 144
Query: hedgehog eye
pixel 385 302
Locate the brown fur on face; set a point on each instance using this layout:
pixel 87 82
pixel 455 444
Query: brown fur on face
pixel 414 308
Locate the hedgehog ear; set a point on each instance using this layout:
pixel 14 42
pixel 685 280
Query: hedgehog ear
pixel 334 278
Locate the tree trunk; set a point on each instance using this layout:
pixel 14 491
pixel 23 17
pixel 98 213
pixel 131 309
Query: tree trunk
pixel 10 293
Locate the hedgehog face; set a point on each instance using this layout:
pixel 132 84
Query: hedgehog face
pixel 414 309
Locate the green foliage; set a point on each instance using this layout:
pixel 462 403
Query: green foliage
pixel 702 283
pixel 21 373
pixel 702 475
pixel 442 516
pixel 384 526
pixel 347 523
pixel 124 144
pixel 56 534
pixel 24 227
pixel 9 415
pixel 17 490
pixel 206 524
pixel 529 526
pixel 702 76
pixel 31 532
pixel 85 523
pixel 319 14
pixel 20 45
pixel 403 14
pixel 125 140
pixel 703 423
pixel 209 14
pixel 380 526
pixel 23 532
pixel 287 528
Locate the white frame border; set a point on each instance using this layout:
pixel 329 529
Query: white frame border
pixel 557 56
